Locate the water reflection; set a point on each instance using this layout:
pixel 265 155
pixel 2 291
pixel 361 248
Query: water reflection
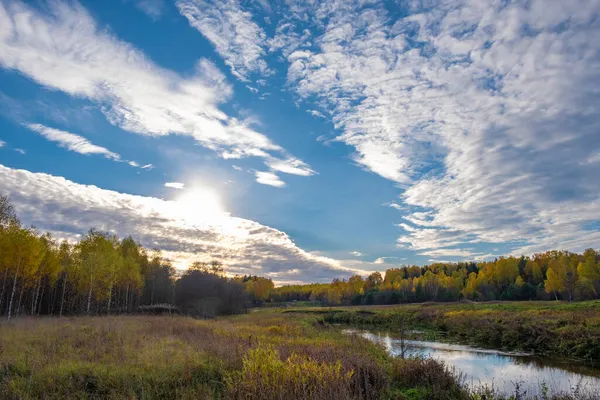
pixel 499 369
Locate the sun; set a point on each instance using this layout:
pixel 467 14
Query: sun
pixel 199 206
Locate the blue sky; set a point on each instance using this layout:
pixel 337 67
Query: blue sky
pixel 304 140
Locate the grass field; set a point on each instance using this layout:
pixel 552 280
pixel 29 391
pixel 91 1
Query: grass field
pixel 263 355
pixel 267 354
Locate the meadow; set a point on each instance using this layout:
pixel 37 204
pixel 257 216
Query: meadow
pixel 265 354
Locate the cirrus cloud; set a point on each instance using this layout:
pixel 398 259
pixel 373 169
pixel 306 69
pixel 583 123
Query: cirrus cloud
pixel 72 142
pixel 237 39
pixel 63 49
pixel 482 112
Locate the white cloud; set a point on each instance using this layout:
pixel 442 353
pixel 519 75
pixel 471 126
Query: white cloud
pixel 2 143
pixel 68 209
pixel 152 8
pixel 20 151
pixel 316 113
pixel 357 253
pixel 175 185
pixel 287 39
pixel 63 49
pixel 268 178
pixel 489 124
pixel 382 260
pixel 72 142
pixel 450 253
pixel 79 144
pixel 396 206
pixel 594 158
pixel 237 39
pixel 292 166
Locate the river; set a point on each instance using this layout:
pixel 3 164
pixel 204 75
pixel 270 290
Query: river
pixel 499 369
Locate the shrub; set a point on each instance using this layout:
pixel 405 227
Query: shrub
pixel 265 376
pixel 433 376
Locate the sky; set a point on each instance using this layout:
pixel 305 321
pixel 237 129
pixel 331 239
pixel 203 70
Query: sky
pixel 304 140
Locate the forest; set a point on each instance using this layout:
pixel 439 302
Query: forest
pixel 103 274
pixel 553 275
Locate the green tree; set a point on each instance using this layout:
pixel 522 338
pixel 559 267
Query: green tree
pixel 588 267
pixel 534 273
pixel 373 281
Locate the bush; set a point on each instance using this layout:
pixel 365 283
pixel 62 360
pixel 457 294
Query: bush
pixel 265 376
pixel 427 376
pixel 206 295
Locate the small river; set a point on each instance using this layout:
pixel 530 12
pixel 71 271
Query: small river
pixel 499 369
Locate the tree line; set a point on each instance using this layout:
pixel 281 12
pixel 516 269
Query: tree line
pixel 553 275
pixel 102 274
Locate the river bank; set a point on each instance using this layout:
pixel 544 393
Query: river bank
pixel 506 372
pixel 569 330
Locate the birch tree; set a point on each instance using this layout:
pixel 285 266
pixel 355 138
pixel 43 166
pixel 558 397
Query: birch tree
pixel 67 266
pixel 129 275
pixel 47 272
pixel 24 252
pixel 97 259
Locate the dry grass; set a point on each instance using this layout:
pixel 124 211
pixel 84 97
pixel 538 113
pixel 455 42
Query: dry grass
pixel 166 357
pixel 141 357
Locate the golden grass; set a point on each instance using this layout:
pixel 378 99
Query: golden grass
pixel 166 357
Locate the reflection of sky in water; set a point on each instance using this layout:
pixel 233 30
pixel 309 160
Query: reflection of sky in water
pixel 490 367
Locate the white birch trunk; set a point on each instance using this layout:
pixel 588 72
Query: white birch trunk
pixel 89 299
pixel 35 296
pixel 3 289
pixel 62 301
pixel 109 299
pixel 12 295
pixel 40 299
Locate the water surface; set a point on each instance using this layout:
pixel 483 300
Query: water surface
pixel 502 370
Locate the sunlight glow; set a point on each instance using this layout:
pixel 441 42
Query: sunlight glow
pixel 199 206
